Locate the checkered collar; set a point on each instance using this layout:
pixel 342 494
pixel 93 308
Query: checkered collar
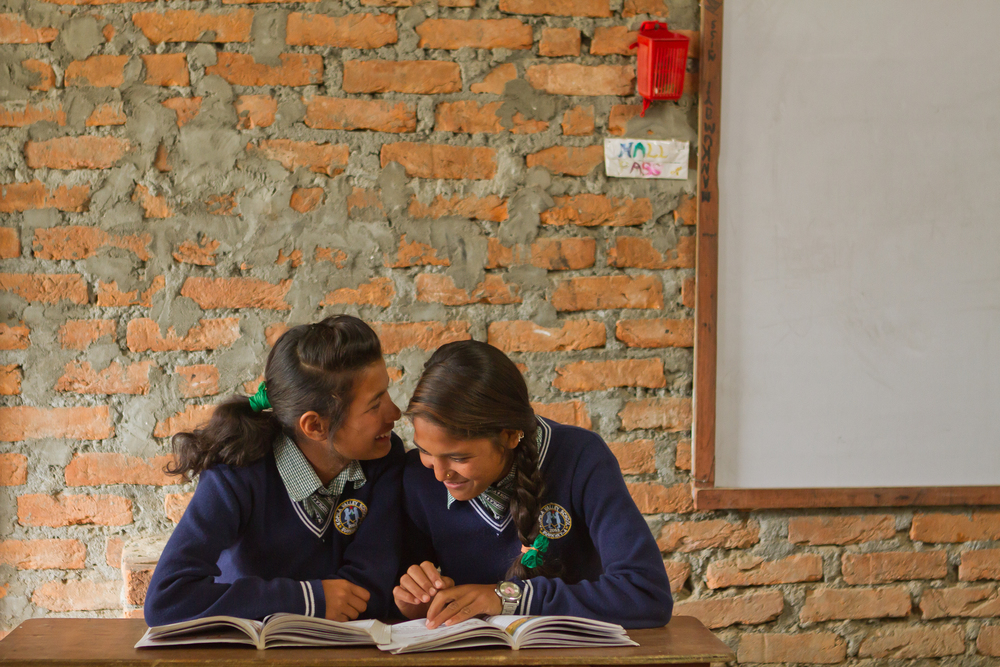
pixel 301 480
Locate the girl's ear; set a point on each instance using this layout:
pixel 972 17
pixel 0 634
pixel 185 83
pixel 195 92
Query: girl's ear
pixel 511 438
pixel 313 426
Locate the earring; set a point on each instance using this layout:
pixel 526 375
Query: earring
pixel 520 436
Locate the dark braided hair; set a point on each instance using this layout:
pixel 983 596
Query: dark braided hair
pixel 472 390
pixel 312 367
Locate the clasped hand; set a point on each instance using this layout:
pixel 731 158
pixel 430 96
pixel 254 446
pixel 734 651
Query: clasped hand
pixel 423 591
pixel 344 601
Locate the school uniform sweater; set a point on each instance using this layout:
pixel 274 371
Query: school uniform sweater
pixel 244 548
pixel 612 568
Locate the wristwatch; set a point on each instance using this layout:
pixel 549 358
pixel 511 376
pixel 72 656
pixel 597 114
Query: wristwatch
pixel 510 596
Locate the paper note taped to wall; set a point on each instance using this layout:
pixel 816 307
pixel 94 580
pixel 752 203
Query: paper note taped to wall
pixel 637 158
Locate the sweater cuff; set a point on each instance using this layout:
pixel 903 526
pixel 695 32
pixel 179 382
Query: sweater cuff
pixel 527 596
pixel 315 600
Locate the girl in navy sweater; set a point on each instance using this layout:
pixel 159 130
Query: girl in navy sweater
pixel 495 494
pixel 297 505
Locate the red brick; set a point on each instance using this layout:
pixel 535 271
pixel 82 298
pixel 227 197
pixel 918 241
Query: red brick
pixel 143 335
pixel 294 258
pixel 75 242
pixel 167 69
pixel 438 288
pixel 28 423
pixel 496 79
pixel 567 160
pixel 106 114
pixel 686 211
pixel 241 69
pixel 979 564
pixel 211 293
pixel 905 643
pixel 748 570
pixel 670 414
pixel 688 293
pixel 567 412
pixel 655 333
pixel 10 379
pixel 971 602
pixel 472 117
pixel 399 336
pixel 677 573
pixel 687 536
pixel 334 113
pixel 96 71
pixel 427 77
pixel 304 200
pixel 578 121
pixel 825 648
pixel 34 195
pixel 336 257
pixel 751 609
pixel 682 455
pixel 223 204
pixel 79 377
pixel 197 380
pixel 597 210
pixel 15 30
pixel 604 292
pixel 136 583
pixel 10 243
pixel 378 292
pixel 46 75
pixel 75 152
pixel 109 296
pixel 651 7
pixel 988 642
pixel 189 26
pixel 620 115
pixel 186 108
pixel 325 158
pixel 14 337
pixel 525 336
pixel 613 40
pixel 595 8
pixel 887 566
pixel 174 505
pixel 557 42
pixel 638 253
pixel 955 527
pixel 191 253
pixel 817 530
pixel 73 510
pixel 22 114
pixel 414 253
pixel 162 160
pixel 600 375
pixel 191 418
pixel 97 469
pixel 365 203
pixel 152 206
pixel 254 111
pixel 113 552
pixel 475 33
pixel 77 595
pixel 654 498
pixel 45 287
pixel 490 207
pixel 13 469
pixel 351 31
pixel 272 333
pixel 827 604
pixel 43 554
pixel 551 254
pixel 573 79
pixel 636 457
pixel 441 160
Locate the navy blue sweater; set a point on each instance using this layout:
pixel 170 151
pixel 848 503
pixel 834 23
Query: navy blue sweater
pixel 613 570
pixel 243 548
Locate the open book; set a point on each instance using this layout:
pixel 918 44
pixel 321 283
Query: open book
pixel 514 631
pixel 275 630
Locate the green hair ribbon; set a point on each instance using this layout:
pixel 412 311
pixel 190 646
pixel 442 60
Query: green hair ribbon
pixel 259 400
pixel 532 556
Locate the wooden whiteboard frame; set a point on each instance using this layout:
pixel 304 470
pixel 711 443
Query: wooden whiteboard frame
pixel 706 495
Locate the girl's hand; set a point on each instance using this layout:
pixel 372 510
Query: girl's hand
pixel 461 603
pixel 344 601
pixel 417 586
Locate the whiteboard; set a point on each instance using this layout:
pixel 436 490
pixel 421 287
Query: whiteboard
pixel 859 244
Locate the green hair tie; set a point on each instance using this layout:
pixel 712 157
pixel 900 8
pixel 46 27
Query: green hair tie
pixel 259 400
pixel 532 556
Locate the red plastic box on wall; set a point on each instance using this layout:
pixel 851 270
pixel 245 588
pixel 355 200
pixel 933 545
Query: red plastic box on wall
pixel 662 61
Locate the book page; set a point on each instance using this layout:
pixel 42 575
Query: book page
pixel 414 636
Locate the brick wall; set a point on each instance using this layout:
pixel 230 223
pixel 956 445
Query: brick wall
pixel 179 183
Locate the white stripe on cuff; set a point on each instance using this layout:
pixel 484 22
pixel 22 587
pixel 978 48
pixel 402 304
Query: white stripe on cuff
pixel 526 596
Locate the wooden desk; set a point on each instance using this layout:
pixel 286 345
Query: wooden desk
pixel 86 642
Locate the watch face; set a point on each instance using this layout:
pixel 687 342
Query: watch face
pixel 509 590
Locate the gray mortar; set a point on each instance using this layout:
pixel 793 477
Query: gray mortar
pixel 268 35
pixel 80 37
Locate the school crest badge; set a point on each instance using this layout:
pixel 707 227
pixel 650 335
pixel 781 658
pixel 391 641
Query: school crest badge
pixel 349 515
pixel 554 521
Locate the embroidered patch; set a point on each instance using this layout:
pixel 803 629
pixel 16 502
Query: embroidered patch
pixel 349 516
pixel 555 521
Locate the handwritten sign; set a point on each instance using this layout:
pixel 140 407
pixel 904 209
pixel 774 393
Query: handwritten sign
pixel 635 158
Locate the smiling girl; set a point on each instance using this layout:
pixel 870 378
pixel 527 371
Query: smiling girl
pixel 522 515
pixel 297 505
